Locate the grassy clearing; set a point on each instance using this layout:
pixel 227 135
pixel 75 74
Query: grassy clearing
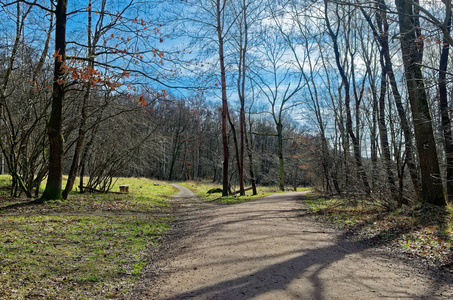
pixel 90 246
pixel 201 189
pixel 424 231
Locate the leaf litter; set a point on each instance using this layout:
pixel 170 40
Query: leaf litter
pixel 421 232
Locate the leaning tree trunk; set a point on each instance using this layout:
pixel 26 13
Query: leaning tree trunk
pixel 78 146
pixel 238 157
pixel 412 50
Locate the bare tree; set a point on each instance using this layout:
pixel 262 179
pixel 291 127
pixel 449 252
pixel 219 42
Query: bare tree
pixel 279 82
pixel 333 33
pixel 23 104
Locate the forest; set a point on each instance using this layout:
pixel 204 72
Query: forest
pixel 350 97
pixel 227 149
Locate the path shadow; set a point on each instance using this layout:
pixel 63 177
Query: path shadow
pixel 308 265
pixel 278 276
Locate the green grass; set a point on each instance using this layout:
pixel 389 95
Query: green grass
pixel 5 184
pixel 89 246
pixel 422 231
pixel 201 189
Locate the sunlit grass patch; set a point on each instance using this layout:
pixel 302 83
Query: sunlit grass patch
pixel 201 189
pixel 144 194
pixel 5 181
pixel 5 186
pixel 73 250
pixel 89 246
pixel 317 203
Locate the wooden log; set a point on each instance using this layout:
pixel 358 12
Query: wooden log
pixel 215 190
pixel 245 190
pixel 92 190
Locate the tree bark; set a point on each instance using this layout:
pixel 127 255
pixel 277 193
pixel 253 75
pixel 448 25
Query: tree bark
pixel 411 163
pixel 243 42
pixel 383 134
pixel 248 145
pixel 54 125
pixel 412 50
pixel 219 12
pixel 238 158
pixel 444 109
pixel 281 161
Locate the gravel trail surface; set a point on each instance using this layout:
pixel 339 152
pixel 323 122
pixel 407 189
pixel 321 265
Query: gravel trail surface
pixel 270 249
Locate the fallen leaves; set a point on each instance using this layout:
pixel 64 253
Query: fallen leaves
pixel 423 231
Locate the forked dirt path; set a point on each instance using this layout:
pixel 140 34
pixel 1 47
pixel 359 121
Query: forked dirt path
pixel 268 249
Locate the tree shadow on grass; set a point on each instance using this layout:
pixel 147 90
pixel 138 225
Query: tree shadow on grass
pixel 21 204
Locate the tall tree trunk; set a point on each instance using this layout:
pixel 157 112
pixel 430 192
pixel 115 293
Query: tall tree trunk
pixel 383 132
pixel 281 161
pixel 444 108
pixel 54 125
pixel 248 145
pixel 238 158
pixel 379 117
pixel 243 42
pixel 219 12
pixel 78 146
pixel 373 138
pixel 412 50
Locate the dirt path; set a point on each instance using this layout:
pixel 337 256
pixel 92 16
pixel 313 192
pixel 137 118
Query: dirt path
pixel 268 249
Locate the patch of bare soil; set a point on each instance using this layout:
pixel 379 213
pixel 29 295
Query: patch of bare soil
pixel 271 249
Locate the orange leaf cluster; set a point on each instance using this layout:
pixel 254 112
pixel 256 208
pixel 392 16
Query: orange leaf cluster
pixel 58 57
pixel 140 100
pixel 162 94
pixel 85 75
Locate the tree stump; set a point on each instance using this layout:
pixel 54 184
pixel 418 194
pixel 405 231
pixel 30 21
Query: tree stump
pixel 124 188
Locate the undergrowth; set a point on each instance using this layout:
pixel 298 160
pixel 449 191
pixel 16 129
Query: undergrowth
pixel 422 231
